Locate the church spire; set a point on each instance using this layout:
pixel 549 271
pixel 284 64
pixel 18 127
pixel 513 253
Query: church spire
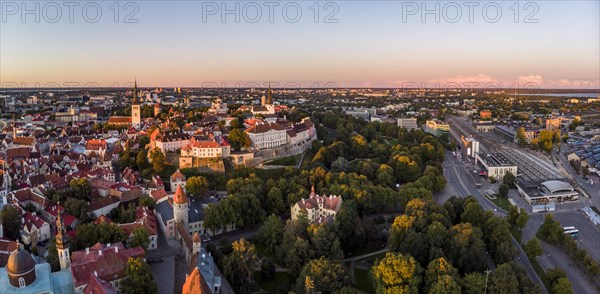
pixel 62 243
pixel 269 95
pixel 135 93
pixel 61 238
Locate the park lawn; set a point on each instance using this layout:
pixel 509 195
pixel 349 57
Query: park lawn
pixel 279 283
pixel 362 281
pixel 501 202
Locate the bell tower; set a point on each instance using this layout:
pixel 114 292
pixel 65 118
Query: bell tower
pixel 62 243
pixel 136 109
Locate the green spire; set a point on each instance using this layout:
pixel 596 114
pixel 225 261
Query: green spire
pixel 135 93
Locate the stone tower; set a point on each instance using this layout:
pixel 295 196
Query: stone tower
pixel 136 109
pixel 180 207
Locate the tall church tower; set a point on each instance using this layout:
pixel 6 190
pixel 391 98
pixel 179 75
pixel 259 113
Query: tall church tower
pixel 62 243
pixel 136 109
pixel 180 207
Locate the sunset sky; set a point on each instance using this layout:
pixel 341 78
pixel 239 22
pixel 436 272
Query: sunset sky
pixel 369 46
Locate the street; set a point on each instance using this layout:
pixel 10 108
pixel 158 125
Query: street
pixel 461 185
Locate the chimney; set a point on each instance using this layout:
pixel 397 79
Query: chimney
pixel 100 252
pixel 108 245
pixel 116 249
pixel 87 250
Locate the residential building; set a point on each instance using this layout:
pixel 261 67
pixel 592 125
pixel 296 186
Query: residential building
pixel 105 261
pixel 437 128
pixel 407 123
pixel 145 219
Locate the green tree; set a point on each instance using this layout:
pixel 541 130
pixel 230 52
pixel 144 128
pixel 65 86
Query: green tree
pixel 147 201
pixel 522 219
pixel 139 237
pixel 240 263
pixel 158 160
pixel 396 273
pixel 441 277
pixel 385 176
pixel 562 286
pixel 503 190
pixel 340 164
pixel 81 188
pixel 326 276
pixel 274 202
pixel 473 283
pixel 77 208
pixel 141 160
pixel 585 171
pixel 503 280
pixel 533 248
pixel 551 229
pixel 239 139
pixel 271 233
pixel 267 268
pixel 520 136
pixel 509 179
pixel 11 221
pixel 139 278
pixel 325 241
pixel 197 186
pixel 405 169
pixel 144 140
pixel 53 255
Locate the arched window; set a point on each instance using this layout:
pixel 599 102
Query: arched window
pixel 21 282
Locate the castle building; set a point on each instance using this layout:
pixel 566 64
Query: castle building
pixel 318 209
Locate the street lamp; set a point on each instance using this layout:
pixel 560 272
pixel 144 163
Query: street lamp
pixel 487 272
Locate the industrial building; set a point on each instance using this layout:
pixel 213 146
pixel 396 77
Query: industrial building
pixel 437 128
pixel 495 164
pixel 544 192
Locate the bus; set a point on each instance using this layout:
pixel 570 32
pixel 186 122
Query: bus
pixel 572 231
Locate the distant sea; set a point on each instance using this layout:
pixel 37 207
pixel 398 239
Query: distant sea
pixel 578 95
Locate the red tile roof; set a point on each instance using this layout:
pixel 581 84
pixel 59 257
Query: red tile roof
pixel 109 263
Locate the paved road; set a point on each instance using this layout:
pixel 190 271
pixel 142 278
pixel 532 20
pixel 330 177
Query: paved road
pixel 460 181
pixel 592 190
pixel 462 184
pixel 554 257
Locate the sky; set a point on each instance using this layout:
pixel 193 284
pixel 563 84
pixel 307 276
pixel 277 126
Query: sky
pixel 525 44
